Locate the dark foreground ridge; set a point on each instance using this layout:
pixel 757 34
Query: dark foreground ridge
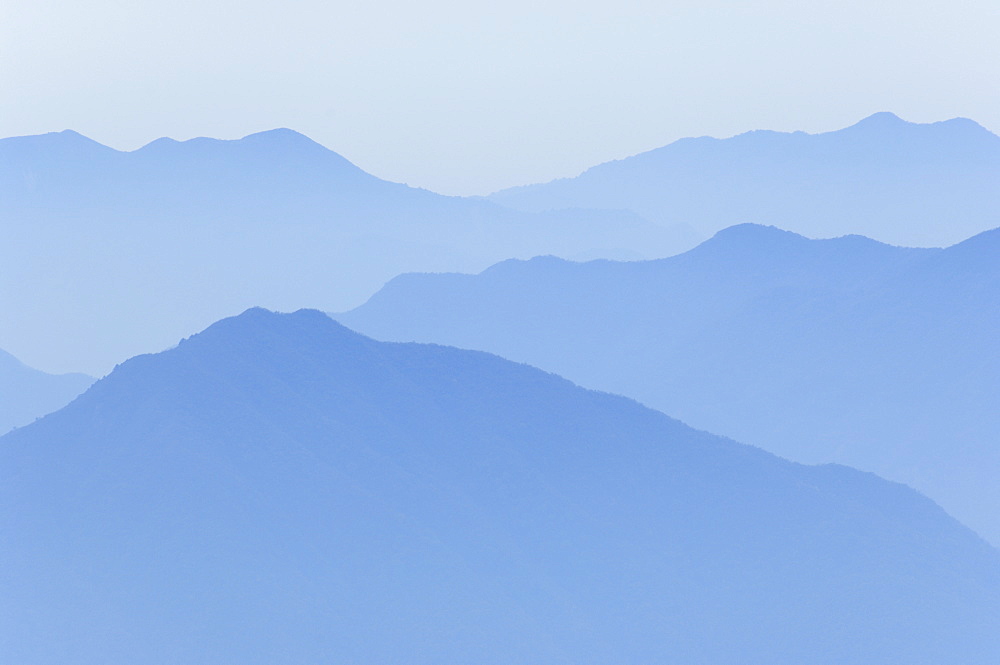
pixel 279 488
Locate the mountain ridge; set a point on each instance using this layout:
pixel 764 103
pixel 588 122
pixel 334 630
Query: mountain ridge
pixel 279 484
pixel 903 183
pixel 273 218
pixel 29 393
pixel 842 350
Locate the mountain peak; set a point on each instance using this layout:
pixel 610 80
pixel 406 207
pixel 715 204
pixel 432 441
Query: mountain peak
pixel 65 141
pixel 9 363
pixel 281 138
pixel 266 150
pixel 876 125
pixel 258 321
pixel 976 253
pixel 886 121
pixel 71 134
pixel 264 316
pixel 284 139
pixel 280 135
pixel 749 236
pixel 280 495
pixel 882 119
pixel 966 127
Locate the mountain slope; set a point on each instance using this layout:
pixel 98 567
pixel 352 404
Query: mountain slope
pixel 168 238
pixel 841 350
pixel 28 394
pixel 281 489
pixel 899 182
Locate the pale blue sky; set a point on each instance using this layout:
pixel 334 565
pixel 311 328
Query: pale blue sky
pixel 466 98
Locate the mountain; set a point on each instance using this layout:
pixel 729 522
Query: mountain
pixel 844 350
pixel 28 394
pixel 281 489
pixel 899 182
pixel 163 240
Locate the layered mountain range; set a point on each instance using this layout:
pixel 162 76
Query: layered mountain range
pixel 163 240
pixel 898 182
pixel 28 394
pixel 844 350
pixel 279 488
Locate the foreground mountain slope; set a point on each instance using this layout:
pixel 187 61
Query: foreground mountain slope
pixel 899 182
pixel 168 238
pixel 842 350
pixel 279 488
pixel 27 394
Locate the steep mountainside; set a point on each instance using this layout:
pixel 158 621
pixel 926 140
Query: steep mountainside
pixel 898 182
pixel 842 350
pixel 281 489
pixel 26 393
pixel 132 250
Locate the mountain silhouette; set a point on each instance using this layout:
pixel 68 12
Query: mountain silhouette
pixel 279 488
pixel 899 182
pixel 27 394
pixel 844 350
pixel 165 239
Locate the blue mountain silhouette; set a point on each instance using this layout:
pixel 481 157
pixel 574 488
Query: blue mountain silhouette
pixel 28 394
pixel 168 238
pixel 899 182
pixel 279 488
pixel 844 350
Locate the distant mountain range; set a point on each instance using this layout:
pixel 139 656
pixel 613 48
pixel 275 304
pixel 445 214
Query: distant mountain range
pixel 898 182
pixel 27 394
pixel 281 489
pixel 163 240
pixel 843 350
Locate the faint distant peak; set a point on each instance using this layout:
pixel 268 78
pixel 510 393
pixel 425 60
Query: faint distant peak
pixel 757 239
pixel 286 142
pixel 290 142
pixel 257 317
pixel 983 246
pixel 885 122
pixel 544 263
pixel 964 126
pixel 259 323
pixel 882 119
pixel 9 362
pixel 65 141
pixel 71 136
pixel 748 240
pixel 162 141
pixel 281 135
pixel 855 239
pixel 753 235
pixel 882 122
pixel 270 147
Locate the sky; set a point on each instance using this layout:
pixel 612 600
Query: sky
pixel 467 98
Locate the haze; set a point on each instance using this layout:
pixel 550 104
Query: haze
pixel 467 98
pixel 570 333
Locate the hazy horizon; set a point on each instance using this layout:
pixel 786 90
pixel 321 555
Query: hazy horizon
pixel 462 99
pixel 561 176
pixel 626 332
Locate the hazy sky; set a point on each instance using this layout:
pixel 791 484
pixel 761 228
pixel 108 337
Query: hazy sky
pixel 464 97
